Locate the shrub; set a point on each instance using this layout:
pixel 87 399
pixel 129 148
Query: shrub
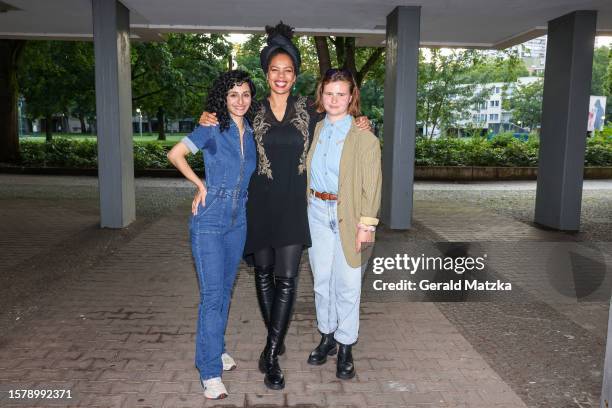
pixel 502 150
pixel 60 153
pixel 598 155
pixel 150 156
pixel 502 139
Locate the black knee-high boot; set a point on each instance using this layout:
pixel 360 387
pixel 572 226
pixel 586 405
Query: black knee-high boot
pixel 264 285
pixel 286 290
pixel 266 289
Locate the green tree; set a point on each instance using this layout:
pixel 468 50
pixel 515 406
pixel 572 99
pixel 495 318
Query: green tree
pixel 601 83
pixel 10 55
pixel 247 59
pixel 525 102
pixel 601 57
pixel 80 68
pixel 442 97
pixel 360 61
pixel 373 102
pixel 46 82
pixel 170 78
pixel 506 67
pixel 608 86
pixel 56 77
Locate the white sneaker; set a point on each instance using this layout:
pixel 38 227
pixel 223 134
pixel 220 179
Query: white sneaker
pixel 214 388
pixel 228 362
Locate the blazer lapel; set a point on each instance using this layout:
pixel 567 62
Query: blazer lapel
pixel 348 153
pixel 313 146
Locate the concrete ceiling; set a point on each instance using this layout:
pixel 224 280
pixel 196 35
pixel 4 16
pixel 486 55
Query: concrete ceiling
pixel 454 23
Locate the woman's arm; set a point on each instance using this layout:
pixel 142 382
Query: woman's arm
pixel 370 163
pixel 177 156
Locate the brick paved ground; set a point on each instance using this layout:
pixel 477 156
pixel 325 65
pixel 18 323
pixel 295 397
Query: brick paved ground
pixel 109 315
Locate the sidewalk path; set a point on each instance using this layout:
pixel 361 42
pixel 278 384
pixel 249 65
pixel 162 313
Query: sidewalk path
pixel 114 317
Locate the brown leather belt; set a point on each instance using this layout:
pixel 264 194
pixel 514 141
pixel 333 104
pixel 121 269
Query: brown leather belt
pixel 324 196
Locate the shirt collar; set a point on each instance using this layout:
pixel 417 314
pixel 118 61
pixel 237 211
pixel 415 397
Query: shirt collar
pixel 343 124
pixel 247 126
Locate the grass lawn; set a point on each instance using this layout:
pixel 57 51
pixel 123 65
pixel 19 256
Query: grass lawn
pixel 171 138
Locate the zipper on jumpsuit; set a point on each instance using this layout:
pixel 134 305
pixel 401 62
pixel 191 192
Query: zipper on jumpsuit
pixel 237 195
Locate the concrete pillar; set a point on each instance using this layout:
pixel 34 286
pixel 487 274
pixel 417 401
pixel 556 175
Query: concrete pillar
pixel 111 27
pixel 402 57
pixel 567 84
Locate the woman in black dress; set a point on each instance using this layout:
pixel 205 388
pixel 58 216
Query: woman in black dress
pixel 277 220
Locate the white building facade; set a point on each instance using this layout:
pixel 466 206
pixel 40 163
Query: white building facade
pixel 490 113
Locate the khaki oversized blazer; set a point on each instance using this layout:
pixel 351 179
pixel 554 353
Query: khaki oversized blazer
pixel 359 187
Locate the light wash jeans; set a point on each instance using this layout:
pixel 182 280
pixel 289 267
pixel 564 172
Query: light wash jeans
pixel 337 285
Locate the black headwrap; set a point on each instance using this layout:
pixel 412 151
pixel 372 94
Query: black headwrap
pixel 279 37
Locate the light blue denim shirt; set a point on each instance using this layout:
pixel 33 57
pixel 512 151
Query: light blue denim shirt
pixel 325 167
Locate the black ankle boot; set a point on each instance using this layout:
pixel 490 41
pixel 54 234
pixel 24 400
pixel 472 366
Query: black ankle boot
pixel 345 369
pixel 273 375
pixel 279 323
pixel 327 347
pixel 265 288
pixel 263 356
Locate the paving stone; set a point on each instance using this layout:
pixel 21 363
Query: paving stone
pixel 96 387
pixel 346 400
pixel 175 400
pixel 131 387
pixel 385 400
pixel 144 400
pixel 323 387
pixel 433 398
pixel 171 387
pixel 266 400
pixel 104 400
pixel 118 318
pixel 306 401
pixel 234 400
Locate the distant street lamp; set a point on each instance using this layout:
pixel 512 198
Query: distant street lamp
pixel 139 120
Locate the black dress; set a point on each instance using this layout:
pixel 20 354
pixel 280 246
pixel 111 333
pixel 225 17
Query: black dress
pixel 276 207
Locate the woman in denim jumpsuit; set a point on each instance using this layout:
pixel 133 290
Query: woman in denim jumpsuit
pixel 218 222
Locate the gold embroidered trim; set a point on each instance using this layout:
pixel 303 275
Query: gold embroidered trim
pixel 260 128
pixel 301 121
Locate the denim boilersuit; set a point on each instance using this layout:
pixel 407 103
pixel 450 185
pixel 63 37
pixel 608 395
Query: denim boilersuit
pixel 218 233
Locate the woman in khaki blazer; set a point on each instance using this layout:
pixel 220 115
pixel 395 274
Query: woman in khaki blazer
pixel 344 182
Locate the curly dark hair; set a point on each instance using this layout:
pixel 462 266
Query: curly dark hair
pixel 217 96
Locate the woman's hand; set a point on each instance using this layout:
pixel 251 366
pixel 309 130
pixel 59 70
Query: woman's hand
pixel 362 237
pixel 208 119
pixel 200 197
pixel 362 123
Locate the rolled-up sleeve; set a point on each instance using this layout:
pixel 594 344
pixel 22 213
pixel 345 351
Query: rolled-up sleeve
pixel 372 181
pixel 198 139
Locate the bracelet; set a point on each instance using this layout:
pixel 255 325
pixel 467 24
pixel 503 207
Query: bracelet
pixel 363 227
